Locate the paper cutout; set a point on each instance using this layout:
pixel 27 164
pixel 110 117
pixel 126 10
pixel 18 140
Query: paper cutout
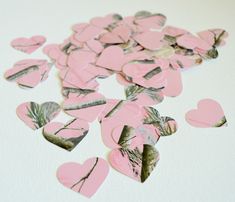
pixel 66 136
pixel 28 73
pixel 164 125
pixel 208 114
pixel 35 115
pixel 86 107
pixel 127 136
pixel 111 58
pixel 144 96
pixel 137 162
pixel 150 40
pixel 28 45
pixel 146 59
pixel 86 178
pixel 116 115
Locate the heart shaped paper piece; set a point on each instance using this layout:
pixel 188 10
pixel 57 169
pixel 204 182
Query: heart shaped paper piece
pixel 86 178
pixel 66 136
pixel 86 107
pixel 28 73
pixel 137 163
pixel 111 58
pixel 127 136
pixel 208 114
pixel 28 45
pixel 164 125
pixel 144 96
pixel 35 115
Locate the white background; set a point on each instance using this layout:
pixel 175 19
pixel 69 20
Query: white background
pixel 197 165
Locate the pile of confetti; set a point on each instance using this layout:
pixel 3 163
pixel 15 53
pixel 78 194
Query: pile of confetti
pixel 147 59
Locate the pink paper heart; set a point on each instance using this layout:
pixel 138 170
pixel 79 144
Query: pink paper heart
pixel 127 136
pixel 69 90
pixel 66 136
pixel 79 59
pixel 35 115
pixel 120 34
pixel 208 114
pixel 144 96
pixel 174 31
pixel 137 163
pixel 86 178
pixel 95 46
pixel 116 114
pixel 146 75
pixel 104 22
pixel 88 33
pixel 86 107
pixel 148 21
pixel 150 40
pixel 111 58
pixel 214 37
pixel 28 45
pixel 174 84
pixel 28 73
pixel 68 76
pixel 164 125
pixel 191 42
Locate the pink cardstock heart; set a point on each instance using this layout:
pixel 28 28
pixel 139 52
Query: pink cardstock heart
pixel 137 163
pixel 127 136
pixel 28 45
pixel 164 125
pixel 111 58
pixel 66 136
pixel 209 113
pixel 35 115
pixel 28 73
pixel 150 40
pixel 86 178
pixel 86 107
pixel 174 84
pixel 116 114
pixel 144 96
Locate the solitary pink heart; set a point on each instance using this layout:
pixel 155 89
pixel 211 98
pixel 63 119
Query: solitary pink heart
pixel 86 178
pixel 28 45
pixel 208 114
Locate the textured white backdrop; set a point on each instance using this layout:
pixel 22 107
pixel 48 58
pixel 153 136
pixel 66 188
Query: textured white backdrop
pixel 196 165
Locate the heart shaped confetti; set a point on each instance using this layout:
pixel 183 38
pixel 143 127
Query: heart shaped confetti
pixel 86 107
pixel 137 162
pixel 146 59
pixel 208 114
pixel 164 125
pixel 28 45
pixel 66 136
pixel 150 40
pixel 28 73
pixel 126 136
pixel 86 178
pixel 35 115
pixel 111 58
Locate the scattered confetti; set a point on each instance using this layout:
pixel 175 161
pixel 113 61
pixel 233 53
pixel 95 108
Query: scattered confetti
pixel 146 59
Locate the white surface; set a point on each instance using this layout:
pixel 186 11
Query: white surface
pixel 197 165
